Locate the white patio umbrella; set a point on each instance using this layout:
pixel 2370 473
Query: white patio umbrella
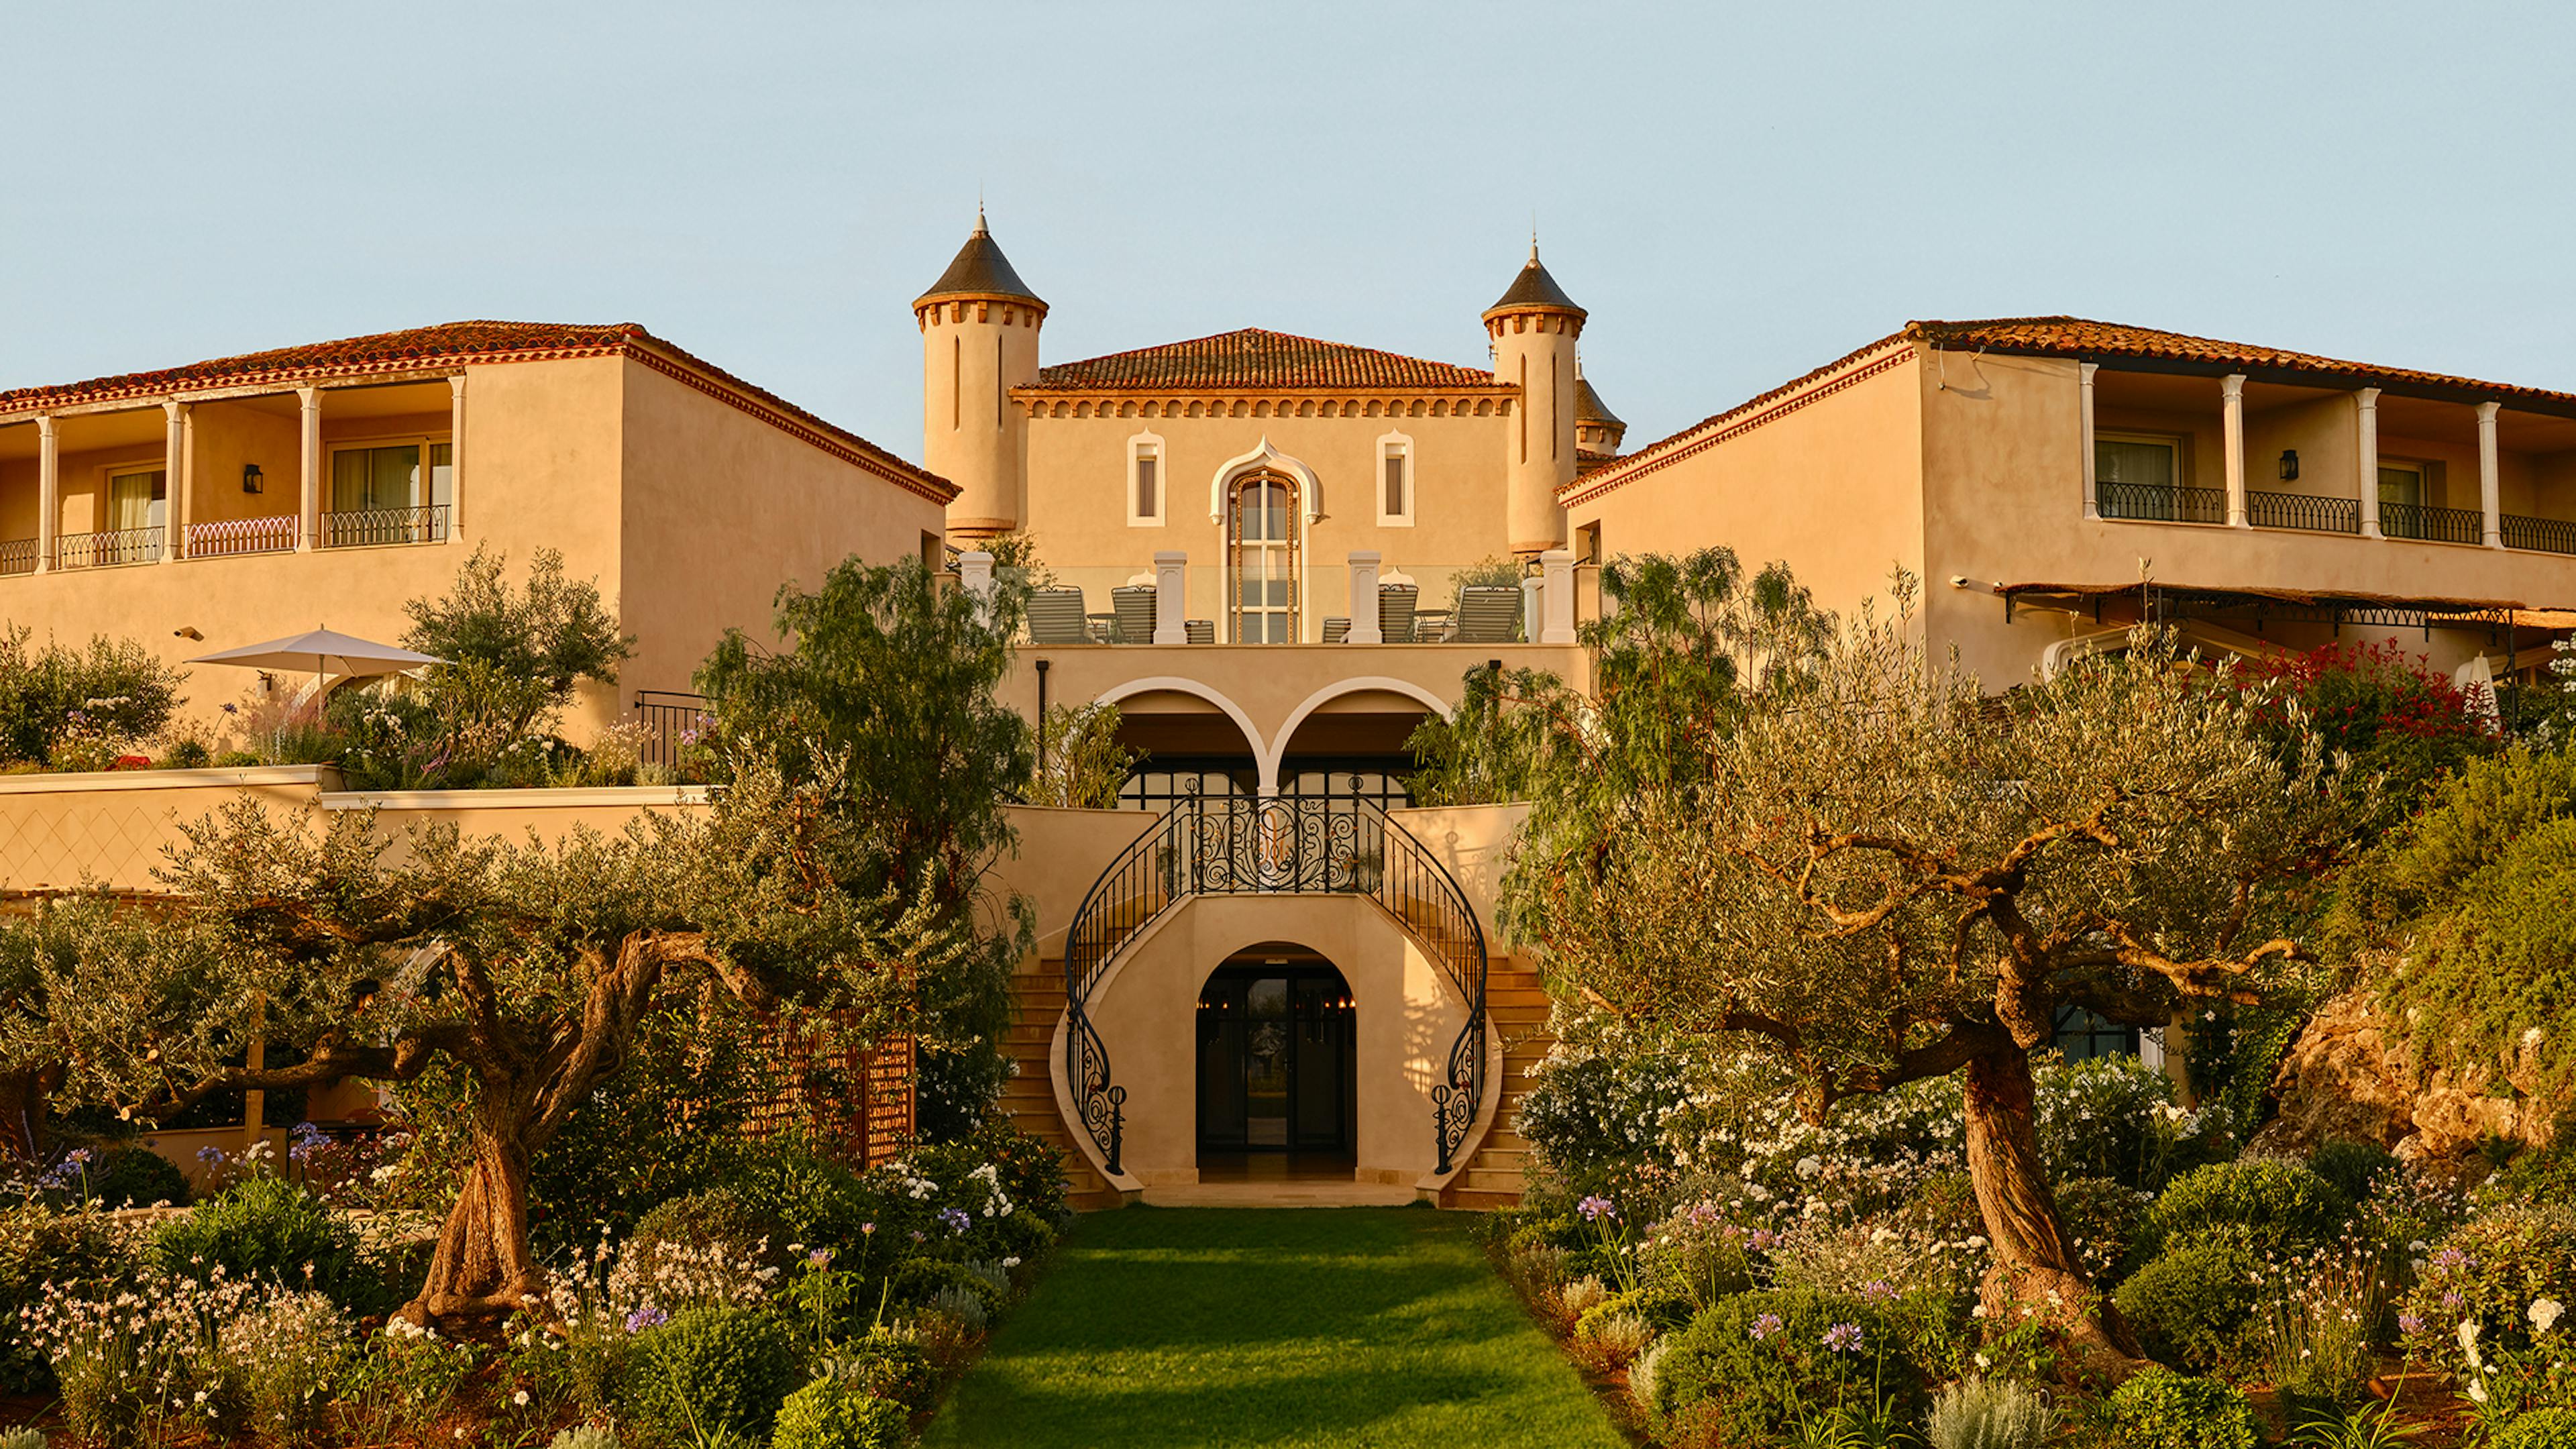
pixel 323 652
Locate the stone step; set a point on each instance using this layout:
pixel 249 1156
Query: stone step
pixel 1478 1200
pixel 1491 1179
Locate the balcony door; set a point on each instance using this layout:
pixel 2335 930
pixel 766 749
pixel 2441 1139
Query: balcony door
pixel 1261 559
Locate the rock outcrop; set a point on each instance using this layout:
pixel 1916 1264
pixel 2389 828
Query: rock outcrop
pixel 2348 1074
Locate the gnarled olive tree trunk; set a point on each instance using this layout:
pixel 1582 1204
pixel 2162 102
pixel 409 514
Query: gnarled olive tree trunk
pixel 2034 1270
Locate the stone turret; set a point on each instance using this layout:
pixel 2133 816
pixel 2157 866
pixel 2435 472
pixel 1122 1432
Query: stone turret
pixel 1534 328
pixel 1597 430
pixel 979 339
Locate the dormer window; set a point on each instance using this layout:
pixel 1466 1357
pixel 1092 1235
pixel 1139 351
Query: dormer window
pixel 1395 481
pixel 1145 482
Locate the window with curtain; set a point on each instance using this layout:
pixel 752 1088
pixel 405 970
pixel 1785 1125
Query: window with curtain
pixel 136 500
pixel 1263 573
pixel 2136 477
pixel 1148 469
pixel 370 480
pixel 2401 483
pixel 1397 503
pixel 442 473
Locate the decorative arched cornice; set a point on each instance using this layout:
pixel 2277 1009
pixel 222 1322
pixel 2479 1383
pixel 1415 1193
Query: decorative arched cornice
pixel 1272 758
pixel 1310 494
pixel 1174 684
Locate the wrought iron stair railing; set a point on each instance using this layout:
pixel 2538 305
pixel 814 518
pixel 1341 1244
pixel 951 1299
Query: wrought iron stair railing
pixel 1273 846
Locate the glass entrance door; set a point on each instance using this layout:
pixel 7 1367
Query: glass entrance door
pixel 1278 1064
pixel 1263 574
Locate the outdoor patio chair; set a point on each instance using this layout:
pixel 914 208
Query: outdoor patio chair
pixel 1336 630
pixel 1055 617
pixel 1431 626
pixel 1199 631
pixel 1134 604
pixel 1395 611
pixel 1489 614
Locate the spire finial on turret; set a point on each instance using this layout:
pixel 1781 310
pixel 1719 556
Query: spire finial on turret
pixel 980 228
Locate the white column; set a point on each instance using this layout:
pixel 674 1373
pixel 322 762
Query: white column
pixel 49 492
pixel 975 576
pixel 2231 392
pixel 174 474
pixel 2092 486
pixel 1533 606
pixel 455 454
pixel 2366 411
pixel 2490 487
pixel 1171 596
pixel 1364 621
pixel 308 517
pixel 1556 595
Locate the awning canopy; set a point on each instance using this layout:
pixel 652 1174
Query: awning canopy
pixel 2155 600
pixel 322 651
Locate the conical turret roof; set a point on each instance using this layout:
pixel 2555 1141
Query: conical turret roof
pixel 980 270
pixel 1534 291
pixel 1588 407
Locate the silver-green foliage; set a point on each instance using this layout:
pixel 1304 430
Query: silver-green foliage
pixel 579 1436
pixel 27 1438
pixel 1990 1414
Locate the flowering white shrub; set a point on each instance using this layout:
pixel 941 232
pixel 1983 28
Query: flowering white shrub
pixel 284 1360
pixel 144 1365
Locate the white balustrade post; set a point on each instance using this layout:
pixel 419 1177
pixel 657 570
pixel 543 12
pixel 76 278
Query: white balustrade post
pixel 2092 485
pixel 2490 487
pixel 455 454
pixel 1364 617
pixel 975 576
pixel 1556 591
pixel 308 509
pixel 49 491
pixel 1171 596
pixel 2366 411
pixel 1533 609
pixel 174 478
pixel 2231 392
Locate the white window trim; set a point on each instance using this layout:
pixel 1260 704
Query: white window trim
pixel 1137 447
pixel 2179 442
pixel 1390 444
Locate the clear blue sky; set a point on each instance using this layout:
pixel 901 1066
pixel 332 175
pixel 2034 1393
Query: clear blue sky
pixel 1737 194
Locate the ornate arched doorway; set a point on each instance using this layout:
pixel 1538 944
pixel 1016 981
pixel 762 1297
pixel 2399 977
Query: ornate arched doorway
pixel 1261 558
pixel 1278 1066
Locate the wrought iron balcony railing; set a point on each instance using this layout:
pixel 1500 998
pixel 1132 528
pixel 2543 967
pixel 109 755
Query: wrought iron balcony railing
pixel 104 550
pixel 369 527
pixel 672 723
pixel 2543 535
pixel 2159 503
pixel 18 556
pixel 2432 525
pixel 2312 512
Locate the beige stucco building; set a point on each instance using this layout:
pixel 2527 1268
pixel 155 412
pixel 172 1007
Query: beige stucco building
pixel 2050 478
pixel 251 497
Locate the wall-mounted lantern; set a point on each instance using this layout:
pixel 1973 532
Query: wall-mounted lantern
pixel 252 481
pixel 2289 464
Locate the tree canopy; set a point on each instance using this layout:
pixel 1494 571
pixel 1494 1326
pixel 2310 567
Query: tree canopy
pixel 1817 838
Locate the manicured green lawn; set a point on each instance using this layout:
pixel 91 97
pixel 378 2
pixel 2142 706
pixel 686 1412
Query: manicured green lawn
pixel 1217 1327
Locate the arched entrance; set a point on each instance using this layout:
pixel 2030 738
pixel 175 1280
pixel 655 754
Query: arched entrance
pixel 1278 1067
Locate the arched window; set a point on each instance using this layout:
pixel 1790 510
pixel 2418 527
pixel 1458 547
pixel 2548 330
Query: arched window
pixel 1261 566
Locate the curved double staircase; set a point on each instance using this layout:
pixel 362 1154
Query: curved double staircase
pixel 1272 846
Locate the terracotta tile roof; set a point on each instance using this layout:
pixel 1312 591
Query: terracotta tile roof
pixel 450 343
pixel 979 270
pixel 1534 290
pixel 1257 359
pixel 2084 338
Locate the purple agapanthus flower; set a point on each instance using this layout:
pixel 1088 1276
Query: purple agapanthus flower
pixel 955 1220
pixel 646 1317
pixel 2410 1323
pixel 1766 1325
pixel 1596 1207
pixel 1842 1338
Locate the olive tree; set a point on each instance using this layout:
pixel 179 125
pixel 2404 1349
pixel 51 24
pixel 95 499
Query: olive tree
pixel 528 966
pixel 1835 847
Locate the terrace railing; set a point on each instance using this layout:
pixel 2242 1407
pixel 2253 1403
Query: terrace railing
pixel 2313 512
pixel 673 721
pixel 368 527
pixel 18 556
pixel 2158 503
pixel 227 536
pixel 2545 535
pixel 103 550
pixel 2432 525
pixel 1279 845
